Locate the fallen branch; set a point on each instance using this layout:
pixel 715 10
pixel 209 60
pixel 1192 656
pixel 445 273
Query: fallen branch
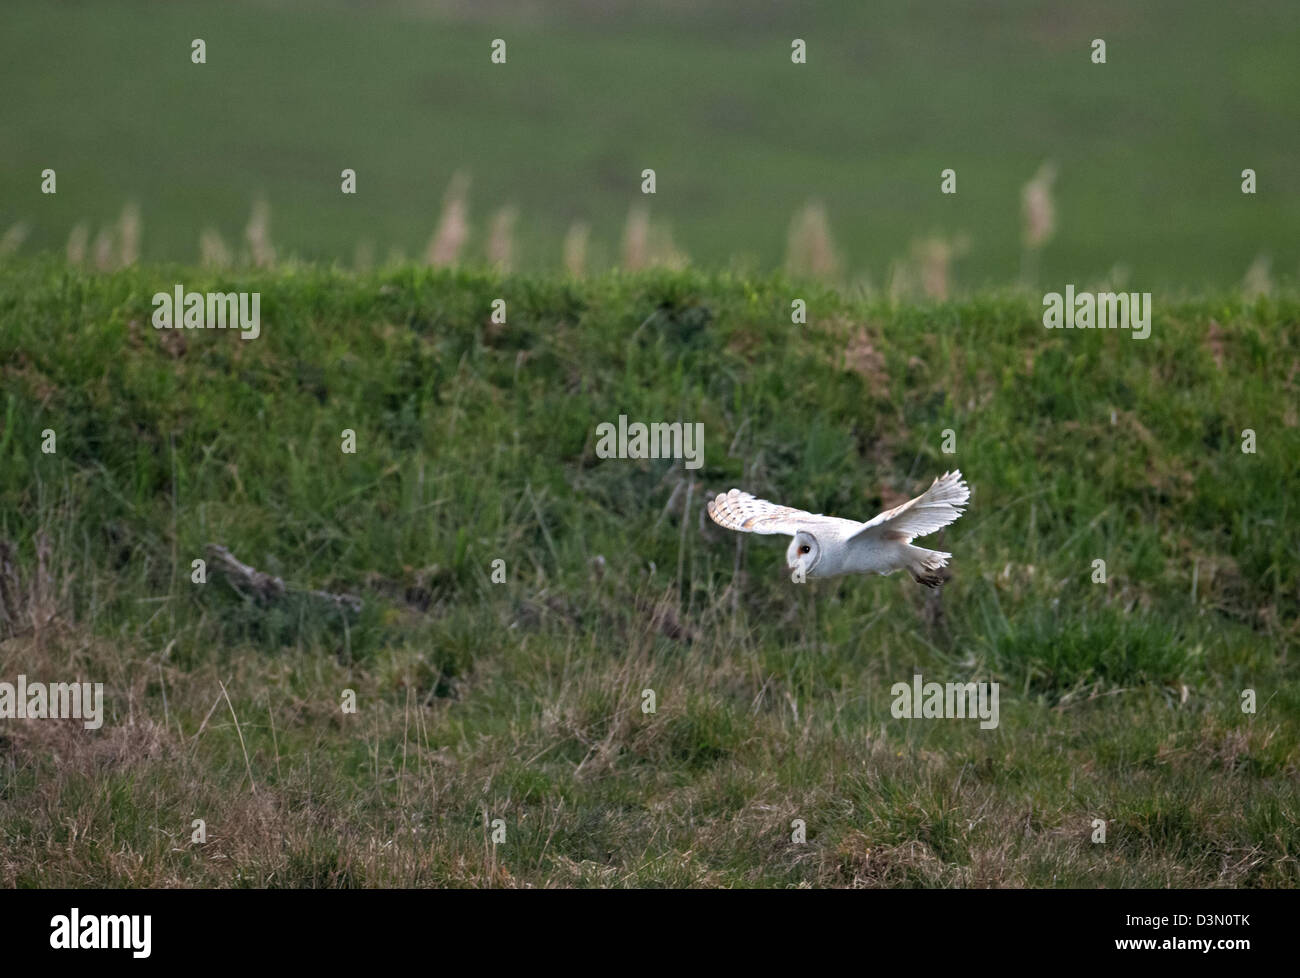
pixel 265 586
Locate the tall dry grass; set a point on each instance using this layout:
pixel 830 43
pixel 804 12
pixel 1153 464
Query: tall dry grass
pixel 128 235
pixel 1257 282
pixel 78 242
pixel 13 239
pixel 649 244
pixel 810 249
pixel 575 248
pixel 258 235
pixel 934 257
pixel 453 226
pixel 104 250
pixel 1038 219
pixel 925 271
pixel 213 251
pixel 501 238
pixel 636 238
pixel 363 256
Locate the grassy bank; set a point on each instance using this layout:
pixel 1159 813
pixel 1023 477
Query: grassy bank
pixel 522 701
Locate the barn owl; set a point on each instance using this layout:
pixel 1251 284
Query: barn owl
pixel 826 546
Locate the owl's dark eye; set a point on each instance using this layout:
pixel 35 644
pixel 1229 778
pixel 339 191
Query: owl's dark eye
pixel 805 549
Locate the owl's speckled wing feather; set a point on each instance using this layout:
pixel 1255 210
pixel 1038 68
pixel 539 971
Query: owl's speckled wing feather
pixel 742 511
pixel 934 509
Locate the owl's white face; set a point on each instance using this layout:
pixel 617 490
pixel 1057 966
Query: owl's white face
pixel 804 552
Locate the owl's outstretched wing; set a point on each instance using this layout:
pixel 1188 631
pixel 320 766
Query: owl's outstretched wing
pixel 934 509
pixel 741 511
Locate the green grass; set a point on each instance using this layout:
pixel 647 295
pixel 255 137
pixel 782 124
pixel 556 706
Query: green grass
pixel 1150 146
pixel 522 701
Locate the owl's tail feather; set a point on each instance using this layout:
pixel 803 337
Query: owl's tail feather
pixel 927 566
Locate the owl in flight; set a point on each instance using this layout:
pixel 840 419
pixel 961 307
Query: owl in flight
pixel 826 546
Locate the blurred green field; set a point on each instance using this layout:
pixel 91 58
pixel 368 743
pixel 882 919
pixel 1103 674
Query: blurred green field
pixel 521 701
pixel 1149 147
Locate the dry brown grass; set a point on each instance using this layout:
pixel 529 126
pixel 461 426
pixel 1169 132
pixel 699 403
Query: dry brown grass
pixel 258 235
pixel 453 226
pixel 213 251
pixel 501 239
pixel 13 239
pixel 575 248
pixel 636 238
pixel 810 250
